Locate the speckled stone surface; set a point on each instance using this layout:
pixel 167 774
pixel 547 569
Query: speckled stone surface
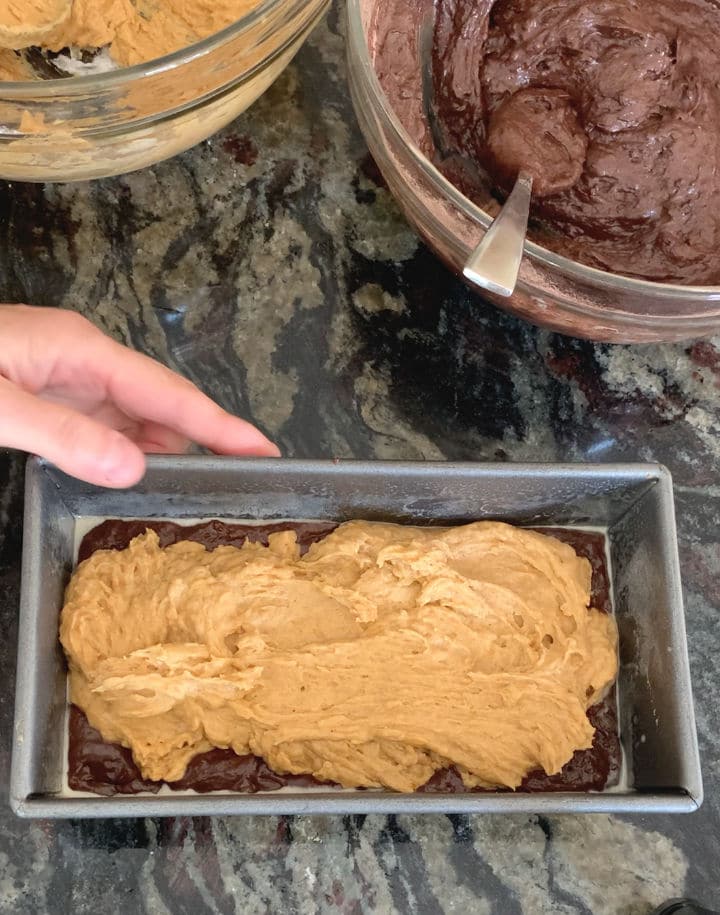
pixel 271 267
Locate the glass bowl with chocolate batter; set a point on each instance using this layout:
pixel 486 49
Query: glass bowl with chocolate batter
pixel 79 112
pixel 609 106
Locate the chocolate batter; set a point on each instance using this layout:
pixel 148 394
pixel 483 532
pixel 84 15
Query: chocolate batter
pixel 612 105
pixel 107 769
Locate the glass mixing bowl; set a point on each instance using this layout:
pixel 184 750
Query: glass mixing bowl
pixel 552 291
pixel 118 121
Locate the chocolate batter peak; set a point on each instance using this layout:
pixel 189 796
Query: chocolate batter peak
pixel 612 105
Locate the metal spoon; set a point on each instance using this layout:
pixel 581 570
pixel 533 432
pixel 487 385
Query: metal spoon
pixel 495 263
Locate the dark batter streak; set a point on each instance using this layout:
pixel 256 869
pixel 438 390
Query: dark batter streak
pixel 107 769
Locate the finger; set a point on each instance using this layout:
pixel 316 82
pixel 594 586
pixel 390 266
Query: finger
pixel 154 448
pixel 147 390
pixel 78 445
pixel 149 437
pixel 153 438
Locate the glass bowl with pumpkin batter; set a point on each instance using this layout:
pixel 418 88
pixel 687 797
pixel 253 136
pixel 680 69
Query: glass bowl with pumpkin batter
pixel 116 110
pixel 565 285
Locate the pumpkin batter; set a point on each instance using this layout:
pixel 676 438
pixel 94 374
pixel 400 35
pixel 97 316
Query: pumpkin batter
pixel 135 30
pixel 384 653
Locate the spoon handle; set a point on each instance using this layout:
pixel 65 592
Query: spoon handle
pixel 495 263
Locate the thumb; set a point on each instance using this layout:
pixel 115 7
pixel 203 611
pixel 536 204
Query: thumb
pixel 78 445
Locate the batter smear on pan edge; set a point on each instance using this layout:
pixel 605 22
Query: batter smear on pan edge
pixel 383 654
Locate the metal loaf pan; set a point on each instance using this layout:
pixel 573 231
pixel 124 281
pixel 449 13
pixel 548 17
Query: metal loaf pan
pixel 632 502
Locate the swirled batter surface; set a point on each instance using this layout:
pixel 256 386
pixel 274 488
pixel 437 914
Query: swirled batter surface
pixel 383 654
pixel 135 31
pixel 612 105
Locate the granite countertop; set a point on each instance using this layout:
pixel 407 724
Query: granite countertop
pixel 272 267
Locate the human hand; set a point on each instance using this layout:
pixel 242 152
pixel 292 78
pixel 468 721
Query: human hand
pixel 91 406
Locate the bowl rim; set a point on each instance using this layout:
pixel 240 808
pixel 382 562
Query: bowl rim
pixel 42 90
pixel 358 46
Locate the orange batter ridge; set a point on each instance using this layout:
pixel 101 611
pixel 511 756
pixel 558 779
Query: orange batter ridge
pixel 136 31
pixel 383 654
